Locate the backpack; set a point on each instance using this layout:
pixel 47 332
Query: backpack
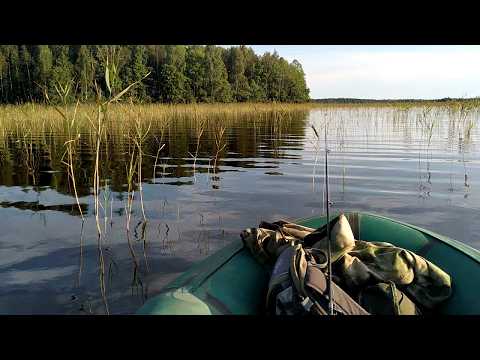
pixel 298 286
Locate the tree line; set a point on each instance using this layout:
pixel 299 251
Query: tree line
pixel 177 74
pixel 368 101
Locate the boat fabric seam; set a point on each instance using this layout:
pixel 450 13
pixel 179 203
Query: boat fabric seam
pixel 220 306
pixel 423 251
pixel 218 267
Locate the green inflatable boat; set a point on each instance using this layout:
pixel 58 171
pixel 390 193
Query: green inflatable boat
pixel 232 282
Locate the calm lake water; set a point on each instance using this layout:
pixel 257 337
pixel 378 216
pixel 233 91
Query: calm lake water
pixel 416 166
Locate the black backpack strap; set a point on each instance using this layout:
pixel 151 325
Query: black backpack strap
pixel 310 284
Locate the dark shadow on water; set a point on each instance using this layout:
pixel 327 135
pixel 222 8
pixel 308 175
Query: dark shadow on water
pixel 36 207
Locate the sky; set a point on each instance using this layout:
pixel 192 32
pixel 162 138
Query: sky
pixel 387 71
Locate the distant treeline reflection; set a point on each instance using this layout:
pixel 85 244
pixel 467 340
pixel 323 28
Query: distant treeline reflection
pixel 36 159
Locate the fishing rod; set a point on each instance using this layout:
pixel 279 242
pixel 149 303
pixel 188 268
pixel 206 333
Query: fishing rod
pixel 329 249
pixel 329 246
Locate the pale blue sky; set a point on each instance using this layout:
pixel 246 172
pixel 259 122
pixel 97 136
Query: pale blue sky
pixel 387 71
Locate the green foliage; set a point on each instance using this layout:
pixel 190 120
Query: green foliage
pixel 195 72
pixel 62 79
pixel 172 84
pixel 3 74
pixel 140 68
pixel 85 73
pixel 10 74
pixel 178 74
pixel 236 63
pixel 110 74
pixel 26 63
pixel 43 69
pixel 216 78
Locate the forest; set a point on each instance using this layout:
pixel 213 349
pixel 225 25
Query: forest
pixel 176 74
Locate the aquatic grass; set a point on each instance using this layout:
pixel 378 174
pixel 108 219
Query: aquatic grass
pixel 99 128
pixel 139 138
pixel 427 121
pixel 70 145
pixel 220 143
pixel 156 161
pixel 199 126
pixel 42 118
pixel 80 265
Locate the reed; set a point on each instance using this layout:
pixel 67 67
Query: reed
pixel 44 118
pixel 130 173
pixel 99 129
pixel 70 145
pixel 427 122
pixel 199 126
pixel 99 133
pixel 139 138
pixel 219 143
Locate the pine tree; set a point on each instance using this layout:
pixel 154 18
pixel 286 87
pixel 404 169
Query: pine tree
pixel 3 74
pixel 85 73
pixel 116 57
pixel 43 69
pixel 25 75
pixel 173 83
pixel 156 58
pixel 195 72
pixel 12 76
pixel 62 75
pixel 139 70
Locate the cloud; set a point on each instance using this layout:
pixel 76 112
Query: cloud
pixel 393 72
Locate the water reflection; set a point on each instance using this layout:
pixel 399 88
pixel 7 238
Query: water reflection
pixel 204 182
pixel 174 159
pixel 35 206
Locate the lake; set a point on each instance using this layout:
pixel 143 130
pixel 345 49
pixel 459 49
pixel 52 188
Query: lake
pixel 416 164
